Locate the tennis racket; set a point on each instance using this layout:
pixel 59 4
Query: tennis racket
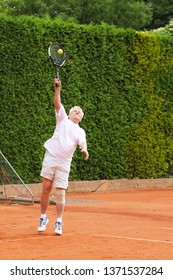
pixel 58 56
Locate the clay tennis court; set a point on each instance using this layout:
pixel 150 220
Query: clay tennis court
pixel 127 225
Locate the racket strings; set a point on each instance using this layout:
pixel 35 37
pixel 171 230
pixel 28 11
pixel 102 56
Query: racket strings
pixel 58 59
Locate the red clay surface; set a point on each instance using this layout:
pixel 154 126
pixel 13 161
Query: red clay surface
pixel 128 225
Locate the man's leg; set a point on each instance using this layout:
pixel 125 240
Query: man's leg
pixel 46 189
pixel 60 205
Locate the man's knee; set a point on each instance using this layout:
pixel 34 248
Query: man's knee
pixel 47 186
pixel 60 195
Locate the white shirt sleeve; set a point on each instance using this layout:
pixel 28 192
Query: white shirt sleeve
pixel 82 137
pixel 60 114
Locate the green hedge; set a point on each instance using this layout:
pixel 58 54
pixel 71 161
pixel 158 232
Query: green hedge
pixel 122 79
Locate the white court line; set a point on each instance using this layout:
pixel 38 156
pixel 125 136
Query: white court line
pixel 167 228
pixel 33 238
pixel 134 238
pixel 98 235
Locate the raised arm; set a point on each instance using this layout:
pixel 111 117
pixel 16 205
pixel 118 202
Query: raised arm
pixel 57 95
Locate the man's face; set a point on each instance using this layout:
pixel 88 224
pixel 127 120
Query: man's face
pixel 76 114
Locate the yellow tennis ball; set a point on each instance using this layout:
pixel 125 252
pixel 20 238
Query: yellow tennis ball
pixel 60 51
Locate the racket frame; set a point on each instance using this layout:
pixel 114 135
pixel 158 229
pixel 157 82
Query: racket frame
pixel 57 63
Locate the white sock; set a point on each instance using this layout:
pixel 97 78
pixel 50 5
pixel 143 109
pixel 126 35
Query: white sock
pixel 43 216
pixel 59 220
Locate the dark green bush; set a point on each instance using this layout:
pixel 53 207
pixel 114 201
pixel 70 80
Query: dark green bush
pixel 122 79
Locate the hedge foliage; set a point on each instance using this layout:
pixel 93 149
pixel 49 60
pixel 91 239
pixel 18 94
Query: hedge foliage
pixel 122 79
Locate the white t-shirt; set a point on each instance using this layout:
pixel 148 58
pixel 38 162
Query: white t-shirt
pixel 67 135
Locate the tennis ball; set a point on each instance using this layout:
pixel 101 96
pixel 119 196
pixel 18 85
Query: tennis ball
pixel 60 51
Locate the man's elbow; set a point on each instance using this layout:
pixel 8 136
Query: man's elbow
pixel 57 106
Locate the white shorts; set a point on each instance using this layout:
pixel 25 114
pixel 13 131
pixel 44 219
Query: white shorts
pixel 55 171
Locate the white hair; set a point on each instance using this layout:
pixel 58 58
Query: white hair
pixel 78 107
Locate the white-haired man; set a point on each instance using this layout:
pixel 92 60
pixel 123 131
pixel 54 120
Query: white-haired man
pixel 58 156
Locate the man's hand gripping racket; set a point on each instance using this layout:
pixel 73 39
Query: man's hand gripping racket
pixel 58 57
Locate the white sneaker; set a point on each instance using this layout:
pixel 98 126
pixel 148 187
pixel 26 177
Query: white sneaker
pixel 42 225
pixel 58 228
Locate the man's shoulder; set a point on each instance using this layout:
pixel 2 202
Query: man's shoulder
pixel 61 113
pixel 76 126
pixel 81 129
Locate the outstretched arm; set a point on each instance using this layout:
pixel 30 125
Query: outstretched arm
pixel 57 95
pixel 83 149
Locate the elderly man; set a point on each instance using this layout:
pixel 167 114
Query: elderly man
pixel 58 156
